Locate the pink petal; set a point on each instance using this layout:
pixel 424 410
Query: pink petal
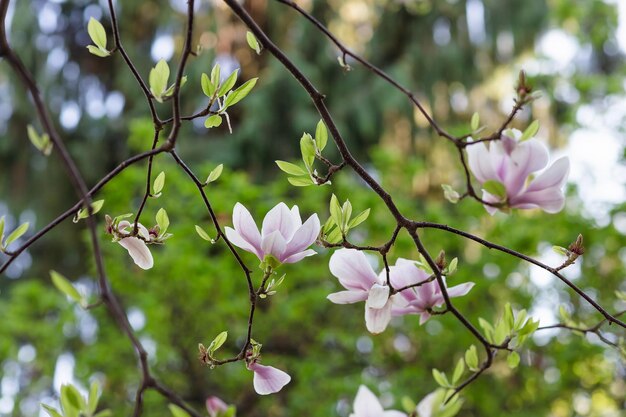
pixel 273 244
pixel 138 250
pixel 550 200
pixel 299 256
pixel 347 297
pixel 490 199
pixel 460 290
pixel 267 379
pixel 527 158
pixel 378 296
pixel 236 239
pixel 304 236
pixel 366 404
pixel 480 162
pixel 295 215
pixel 279 219
pixel 555 176
pixel 352 269
pixel 215 405
pixel 377 319
pixel 246 227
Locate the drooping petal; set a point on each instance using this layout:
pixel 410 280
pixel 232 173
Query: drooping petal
pixel 273 244
pixel 347 297
pixel 246 227
pixel 378 296
pixel 460 290
pixel 138 250
pixel 298 256
pixel 279 219
pixel 236 239
pixel 490 198
pixel 304 236
pixel 352 269
pixel 366 404
pixel 550 200
pixel 267 379
pixel 377 319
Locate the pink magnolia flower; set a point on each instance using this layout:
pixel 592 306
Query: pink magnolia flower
pixel 282 236
pixel 267 379
pixel 367 405
pixel 418 300
pixel 215 405
pixel 362 284
pixel 136 247
pixel 511 163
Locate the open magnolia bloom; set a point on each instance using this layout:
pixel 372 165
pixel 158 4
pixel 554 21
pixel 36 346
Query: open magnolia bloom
pixel 267 379
pixel 356 275
pixel 504 168
pixel 136 247
pixel 367 405
pixel 282 236
pixel 419 300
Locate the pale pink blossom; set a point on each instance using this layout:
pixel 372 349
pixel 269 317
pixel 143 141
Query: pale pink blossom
pixel 426 406
pixel 354 272
pixel 136 247
pixel 512 162
pixel 282 236
pixel 367 405
pixel 419 300
pixel 267 379
pixel 215 406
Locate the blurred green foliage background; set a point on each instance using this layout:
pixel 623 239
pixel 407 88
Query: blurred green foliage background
pixel 459 56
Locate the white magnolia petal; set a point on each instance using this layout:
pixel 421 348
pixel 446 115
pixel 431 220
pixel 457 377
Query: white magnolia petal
pixel 550 200
pixel 528 157
pixel 305 235
pixel 366 404
pixel 377 319
pixel 279 219
pixel 555 176
pixel 267 379
pixel 352 269
pixel 246 227
pixel 347 297
pixel 425 407
pixel 460 290
pixel 490 199
pixel 378 296
pixel 236 239
pixel 479 161
pixel 138 250
pixel 298 256
pixel 394 413
pixel 295 215
pixel 274 244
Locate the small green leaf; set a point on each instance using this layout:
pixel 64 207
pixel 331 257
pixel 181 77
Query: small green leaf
pixel 98 51
pixel 495 188
pixel 228 84
pixel 471 358
pixel 162 220
pixel 300 181
pixel 158 184
pixel 215 174
pixel 360 218
pixel 252 42
pixel 97 33
pixel 213 121
pixel 451 269
pixel 70 396
pixel 177 411
pixel 159 75
pixel 217 342
pixel 204 235
pixel 441 378
pixel 530 131
pixel 321 135
pixel 207 87
pixel 94 396
pixel 16 234
pixel 215 78
pixel 1 230
pixel 560 250
pixel 475 121
pixel 65 286
pixel 104 413
pixel 335 210
pixel 239 94
pixel 346 213
pixel 450 194
pixel 513 359
pixel 52 412
pixel 307 148
pixel 458 371
pixel 291 169
pixel 83 213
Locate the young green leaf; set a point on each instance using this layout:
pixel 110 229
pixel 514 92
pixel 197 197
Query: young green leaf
pixel 239 94
pixel 300 181
pixel 228 84
pixel 158 184
pixel 97 33
pixel 52 412
pixel 215 174
pixel 475 121
pixel 83 213
pixel 204 235
pixel 213 121
pixel 335 210
pixel 346 213
pixel 16 234
pixel 513 359
pixel 177 411
pixel 451 269
pixel 65 286
pixel 70 396
pixel 1 230
pixel 321 135
pixel 97 51
pixel 159 75
pixel 252 42
pixel 94 397
pixel 530 131
pixel 162 220
pixel 307 148
pixel 441 378
pixel 360 218
pixel 104 413
pixel 450 194
pixel 291 169
pixel 471 358
pixel 458 371
pixel 215 77
pixel 218 342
